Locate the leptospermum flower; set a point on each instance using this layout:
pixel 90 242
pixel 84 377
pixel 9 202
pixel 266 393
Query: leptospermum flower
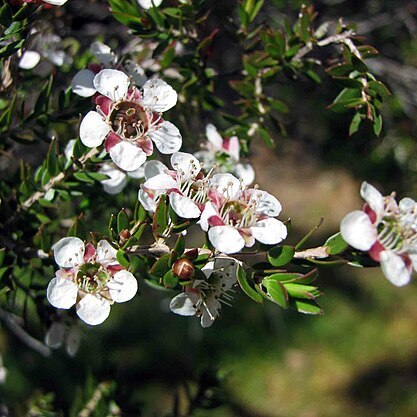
pixel 204 297
pixel 117 178
pixel 235 216
pixel 89 278
pixel 218 148
pixel 130 121
pixel 185 185
pixel 387 231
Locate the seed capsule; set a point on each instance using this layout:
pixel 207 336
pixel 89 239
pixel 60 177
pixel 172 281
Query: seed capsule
pixel 183 269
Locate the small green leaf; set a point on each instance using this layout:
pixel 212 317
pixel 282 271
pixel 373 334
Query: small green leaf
pixel 280 255
pixel 160 218
pixel 122 221
pixel 276 291
pixel 377 125
pixel 306 306
pixel 170 280
pixel 161 266
pixel 335 244
pixel 246 287
pixel 122 258
pixel 178 249
pixel 355 123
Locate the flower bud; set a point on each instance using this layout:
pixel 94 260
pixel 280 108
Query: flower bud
pixel 183 269
pixel 124 235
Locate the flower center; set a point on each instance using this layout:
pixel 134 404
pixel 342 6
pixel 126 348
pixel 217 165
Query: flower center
pixel 92 277
pixel 129 119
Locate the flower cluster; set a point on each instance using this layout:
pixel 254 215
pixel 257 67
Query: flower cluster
pixel 89 277
pixel 233 215
pixel 224 153
pixel 203 298
pixel 129 120
pixel 387 231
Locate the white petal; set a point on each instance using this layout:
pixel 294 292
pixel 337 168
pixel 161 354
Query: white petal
pixel 147 201
pixel 29 60
pixel 227 184
pixel 55 335
pixel 127 156
pixel 413 259
pixel 269 231
pixel 226 239
pixel 184 206
pixel 93 310
pixel 226 268
pixel 123 286
pixel 62 293
pixel 208 212
pixel 234 148
pixel 167 138
pixel 394 268
pixel 147 4
pixel 103 53
pixel 245 172
pixel 136 72
pixel 56 2
pixel 407 204
pixel 161 182
pixel 153 168
pixel 210 312
pixel 82 84
pixel 137 173
pixel 183 304
pixel 105 253
pixel 93 130
pixel 207 269
pixel 358 231
pixel 373 197
pixel 158 95
pixel 267 203
pixel 112 83
pixel 69 252
pixel 187 164
pixel 69 148
pixel 73 340
pixel 214 137
pixel 117 180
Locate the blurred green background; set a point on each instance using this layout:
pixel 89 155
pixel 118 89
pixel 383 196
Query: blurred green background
pixel 360 358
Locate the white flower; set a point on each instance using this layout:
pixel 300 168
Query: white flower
pixel 235 217
pixel 204 297
pixel 130 121
pixel 187 193
pixel 225 155
pixel 387 231
pixel 147 4
pixel 117 178
pixel 89 278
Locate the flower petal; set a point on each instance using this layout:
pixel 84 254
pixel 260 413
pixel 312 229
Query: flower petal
pixel 117 180
pixel 82 84
pixel 208 212
pixel 167 138
pixel 93 310
pixel 184 304
pixel 148 203
pixel 245 172
pixel 227 185
pixel 55 335
pixel 161 182
pixel 394 268
pixel 73 341
pixel 112 83
pixel 105 254
pixel 29 60
pixel 56 2
pixel 158 96
pixel 153 168
pixel 127 156
pixel 184 206
pixel 358 231
pixel 214 137
pixel 69 252
pixel 373 197
pixel 122 287
pixel 226 239
pixel 147 4
pixel 61 293
pixel 103 53
pixel 266 203
pixel 233 147
pixel 186 164
pixel 269 231
pixel 93 130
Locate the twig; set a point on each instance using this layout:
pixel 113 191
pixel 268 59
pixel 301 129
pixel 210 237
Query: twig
pixel 94 400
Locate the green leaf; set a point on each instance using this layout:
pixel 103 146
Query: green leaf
pixel 178 249
pixel 340 70
pixel 358 64
pixel 306 306
pixel 335 244
pixel 302 291
pixel 280 255
pixel 170 280
pixel 377 125
pixel 161 266
pixel 160 218
pixel 122 258
pixel 84 177
pixel 349 82
pixel 122 221
pixel 276 291
pixel 379 88
pixel 246 287
pixel 5 15
pixel 355 123
pixel 2 255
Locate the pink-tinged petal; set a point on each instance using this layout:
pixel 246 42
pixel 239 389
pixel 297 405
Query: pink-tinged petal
pixel 147 201
pixel 82 83
pixel 215 221
pixel 112 84
pixel 226 184
pixel 269 231
pixel 96 68
pixel 114 268
pixel 373 197
pixel 394 268
pixel 214 137
pixel 208 212
pixel 232 146
pixel 375 251
pixel 55 335
pixel 69 252
pixel 215 197
pixel 167 138
pixel 184 206
pixel 413 260
pixel 146 145
pixel 187 164
pixel 153 168
pixel 61 293
pixel 117 179
pixel 266 203
pixel 89 252
pixel 245 172
pixel 104 103
pixel 93 310
pixel 127 156
pixel 184 304
pixel 112 140
pixel 122 287
pixel 161 182
pixel 29 60
pixel 106 254
pixel 358 231
pixel 93 130
pixel 370 213
pixel 103 53
pixel 158 96
pixel 226 239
